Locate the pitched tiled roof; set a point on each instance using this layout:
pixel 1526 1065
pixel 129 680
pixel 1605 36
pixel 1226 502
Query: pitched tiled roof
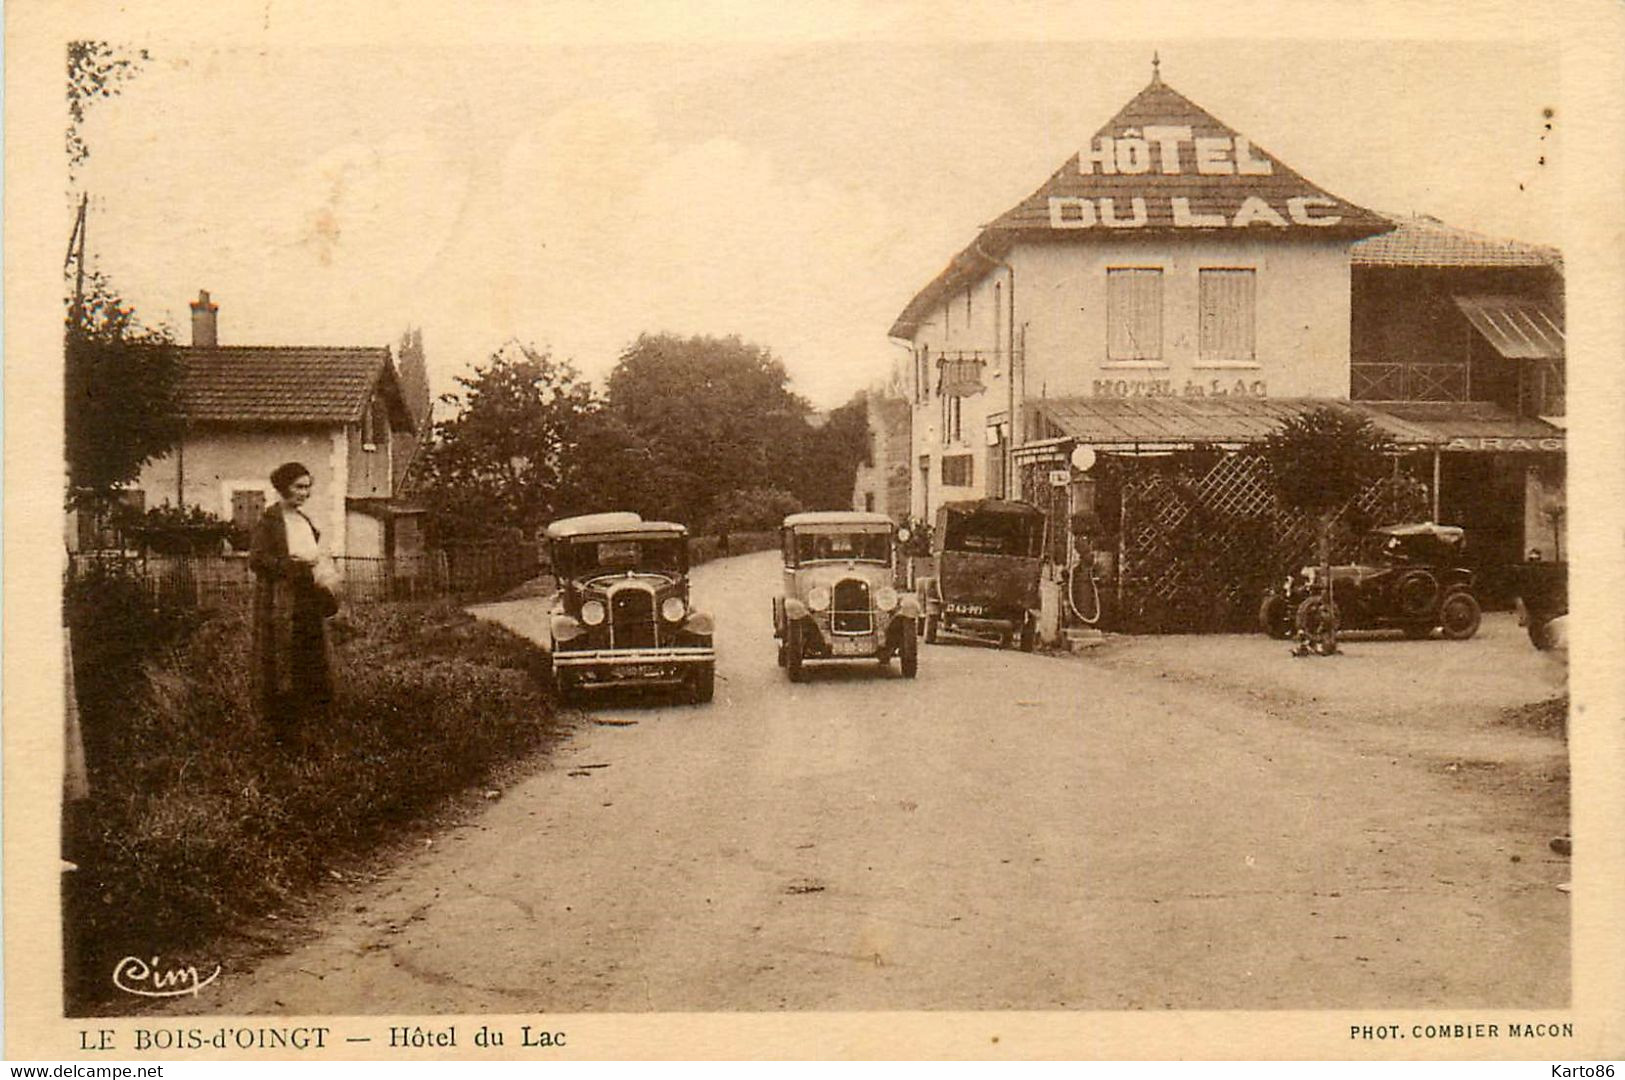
pixel 1424 241
pixel 1165 166
pixel 1216 183
pixel 292 385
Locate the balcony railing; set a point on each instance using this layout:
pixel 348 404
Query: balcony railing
pixel 1401 381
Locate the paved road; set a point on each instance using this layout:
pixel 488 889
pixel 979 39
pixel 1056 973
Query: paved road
pixel 1006 831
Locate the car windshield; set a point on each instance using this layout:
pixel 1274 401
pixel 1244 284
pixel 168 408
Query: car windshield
pixel 660 554
pixel 861 546
pixel 993 534
pixel 1383 548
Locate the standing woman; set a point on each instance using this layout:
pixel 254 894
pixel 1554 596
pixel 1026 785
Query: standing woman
pixel 292 677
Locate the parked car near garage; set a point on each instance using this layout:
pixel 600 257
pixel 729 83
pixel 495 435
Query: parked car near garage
pixel 840 600
pixel 622 614
pixel 1406 577
pixel 985 565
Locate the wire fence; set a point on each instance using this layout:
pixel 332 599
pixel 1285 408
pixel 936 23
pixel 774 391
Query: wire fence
pixel 201 581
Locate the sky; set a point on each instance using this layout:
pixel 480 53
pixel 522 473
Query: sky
pixel 797 195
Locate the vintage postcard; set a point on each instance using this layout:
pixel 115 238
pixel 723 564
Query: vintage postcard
pixel 1040 531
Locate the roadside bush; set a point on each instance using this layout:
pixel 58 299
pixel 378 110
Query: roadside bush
pixel 197 819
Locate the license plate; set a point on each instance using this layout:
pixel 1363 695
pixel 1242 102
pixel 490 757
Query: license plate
pixel 967 609
pixel 635 671
pixel 853 646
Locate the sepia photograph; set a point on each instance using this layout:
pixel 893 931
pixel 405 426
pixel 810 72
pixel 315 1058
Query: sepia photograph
pixel 550 530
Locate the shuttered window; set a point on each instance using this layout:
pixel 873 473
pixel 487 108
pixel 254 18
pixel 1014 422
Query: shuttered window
pixel 1134 314
pixel 247 506
pixel 957 471
pixel 1229 305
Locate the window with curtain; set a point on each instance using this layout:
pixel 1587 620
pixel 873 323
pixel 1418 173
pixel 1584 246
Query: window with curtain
pixel 1228 316
pixel 1134 314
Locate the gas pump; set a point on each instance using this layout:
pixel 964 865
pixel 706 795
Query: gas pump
pixel 1086 565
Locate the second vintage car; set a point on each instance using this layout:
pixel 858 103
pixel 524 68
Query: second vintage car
pixel 985 565
pixel 840 599
pixel 622 614
pixel 1407 577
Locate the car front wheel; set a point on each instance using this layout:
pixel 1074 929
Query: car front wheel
pixel 1275 617
pixel 1459 616
pixel 908 649
pixel 792 652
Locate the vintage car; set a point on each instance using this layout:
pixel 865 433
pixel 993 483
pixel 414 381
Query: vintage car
pixel 622 614
pixel 1408 577
pixel 983 577
pixel 840 600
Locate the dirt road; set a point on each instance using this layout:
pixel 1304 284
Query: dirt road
pixel 1105 831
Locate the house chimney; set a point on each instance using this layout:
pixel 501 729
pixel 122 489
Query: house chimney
pixel 205 325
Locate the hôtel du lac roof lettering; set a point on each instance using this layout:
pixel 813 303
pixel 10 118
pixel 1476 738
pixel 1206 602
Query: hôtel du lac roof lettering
pixel 1164 163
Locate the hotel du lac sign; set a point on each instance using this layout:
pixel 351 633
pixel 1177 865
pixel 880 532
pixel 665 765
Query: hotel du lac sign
pixel 1174 150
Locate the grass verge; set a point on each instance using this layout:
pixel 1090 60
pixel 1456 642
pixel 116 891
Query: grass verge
pixel 197 822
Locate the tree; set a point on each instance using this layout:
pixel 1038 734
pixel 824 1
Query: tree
pixel 1321 460
pixel 121 391
pixel 121 380
pixel 715 414
pixel 502 459
pixel 96 70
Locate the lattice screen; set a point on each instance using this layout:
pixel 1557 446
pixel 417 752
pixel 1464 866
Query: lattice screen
pixel 1203 538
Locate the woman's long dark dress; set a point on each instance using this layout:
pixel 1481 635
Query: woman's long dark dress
pixel 292 672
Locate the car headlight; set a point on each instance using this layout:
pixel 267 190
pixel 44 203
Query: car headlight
pixel 886 598
pixel 592 613
pixel 818 598
pixel 672 608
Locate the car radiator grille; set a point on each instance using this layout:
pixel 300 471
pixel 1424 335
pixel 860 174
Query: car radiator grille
pixel 632 619
pixel 850 612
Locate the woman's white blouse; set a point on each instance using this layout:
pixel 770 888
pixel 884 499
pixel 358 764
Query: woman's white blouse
pixel 301 537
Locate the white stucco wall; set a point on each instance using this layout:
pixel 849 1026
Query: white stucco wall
pixel 220 461
pixel 1302 317
pixel 1301 332
pixel 954 328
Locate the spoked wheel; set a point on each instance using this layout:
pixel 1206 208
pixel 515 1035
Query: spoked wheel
pixel 792 652
pixel 1317 618
pixel 908 649
pixel 1459 616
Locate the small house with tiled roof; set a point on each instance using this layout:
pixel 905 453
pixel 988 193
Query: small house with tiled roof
pixel 340 411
